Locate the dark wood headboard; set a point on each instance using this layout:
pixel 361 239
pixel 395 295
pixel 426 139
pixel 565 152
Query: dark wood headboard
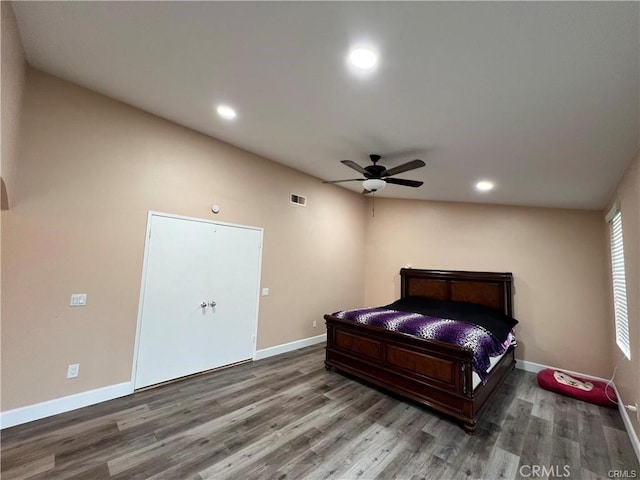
pixel 492 289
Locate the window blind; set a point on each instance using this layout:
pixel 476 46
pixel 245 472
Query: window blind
pixel 619 284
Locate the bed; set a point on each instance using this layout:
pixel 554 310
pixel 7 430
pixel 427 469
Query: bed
pixel 433 373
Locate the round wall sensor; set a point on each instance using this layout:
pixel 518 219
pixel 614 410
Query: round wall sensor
pixel 215 208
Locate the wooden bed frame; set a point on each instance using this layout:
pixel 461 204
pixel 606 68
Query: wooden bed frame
pixel 432 373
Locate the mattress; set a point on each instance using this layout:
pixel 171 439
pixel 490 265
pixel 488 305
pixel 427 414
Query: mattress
pixel 482 343
pixel 493 361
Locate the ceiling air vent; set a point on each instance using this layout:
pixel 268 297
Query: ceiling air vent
pixel 298 200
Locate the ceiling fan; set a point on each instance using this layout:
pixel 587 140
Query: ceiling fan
pixel 377 176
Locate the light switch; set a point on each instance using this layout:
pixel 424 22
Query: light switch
pixel 265 292
pixel 78 300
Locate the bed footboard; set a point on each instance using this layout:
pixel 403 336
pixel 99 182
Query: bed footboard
pixel 434 374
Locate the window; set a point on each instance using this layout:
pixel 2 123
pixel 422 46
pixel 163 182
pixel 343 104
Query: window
pixel 619 281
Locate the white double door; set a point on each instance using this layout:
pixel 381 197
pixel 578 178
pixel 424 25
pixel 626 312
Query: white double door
pixel 200 297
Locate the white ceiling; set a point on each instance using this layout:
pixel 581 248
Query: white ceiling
pixel 542 98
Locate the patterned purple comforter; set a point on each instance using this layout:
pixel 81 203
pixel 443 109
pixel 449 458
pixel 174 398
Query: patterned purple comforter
pixel 481 342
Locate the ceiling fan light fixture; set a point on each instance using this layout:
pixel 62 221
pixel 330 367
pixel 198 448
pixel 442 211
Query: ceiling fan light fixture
pixel 374 184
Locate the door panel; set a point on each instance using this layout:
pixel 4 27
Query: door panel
pixel 236 283
pixel 190 262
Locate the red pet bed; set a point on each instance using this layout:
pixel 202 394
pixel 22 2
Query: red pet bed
pixel 591 391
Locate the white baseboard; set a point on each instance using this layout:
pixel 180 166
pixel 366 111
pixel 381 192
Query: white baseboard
pixel 288 347
pixel 30 413
pixel 536 367
pixel 628 425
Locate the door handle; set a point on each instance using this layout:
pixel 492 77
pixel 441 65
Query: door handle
pixel 212 304
pixel 203 305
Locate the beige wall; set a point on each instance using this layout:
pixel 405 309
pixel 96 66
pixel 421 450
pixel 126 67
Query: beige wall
pixel 628 374
pixel 12 87
pixel 557 258
pixel 90 169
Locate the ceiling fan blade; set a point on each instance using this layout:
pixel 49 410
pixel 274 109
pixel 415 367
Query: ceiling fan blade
pixel 403 182
pixel 348 180
pixel 354 165
pixel 405 167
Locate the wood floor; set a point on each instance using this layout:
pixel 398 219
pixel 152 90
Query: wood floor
pixel 286 417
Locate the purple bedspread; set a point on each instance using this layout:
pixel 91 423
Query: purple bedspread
pixel 465 335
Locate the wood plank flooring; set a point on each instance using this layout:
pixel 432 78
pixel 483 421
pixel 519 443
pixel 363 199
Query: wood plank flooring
pixel 286 417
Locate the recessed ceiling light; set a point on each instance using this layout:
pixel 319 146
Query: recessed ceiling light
pixel 484 186
pixel 363 58
pixel 226 111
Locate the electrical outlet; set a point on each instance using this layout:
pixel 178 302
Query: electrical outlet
pixel 314 324
pixel 634 408
pixel 73 370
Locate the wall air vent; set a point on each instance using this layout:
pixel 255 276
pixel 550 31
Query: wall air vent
pixel 298 200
